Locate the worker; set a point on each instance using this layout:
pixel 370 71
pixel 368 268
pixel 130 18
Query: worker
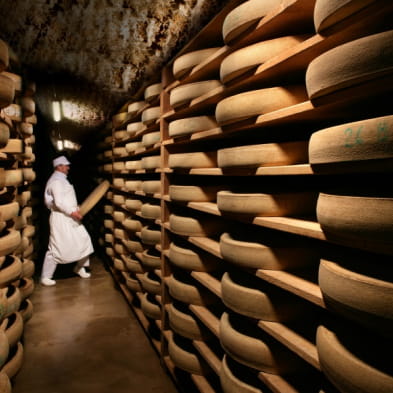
pixel 68 241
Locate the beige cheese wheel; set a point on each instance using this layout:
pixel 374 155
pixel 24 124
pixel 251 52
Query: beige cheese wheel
pixel 188 259
pixel 28 106
pixel 28 231
pixel 120 151
pixel 151 162
pixel 15 360
pixel 133 165
pixel 267 205
pixel 250 296
pixel 258 102
pixel 26 310
pixel 120 249
pixel 356 218
pixel 132 265
pixel 151 259
pixel 192 226
pixel 119 216
pixel 359 290
pixel 150 307
pixel 28 174
pixel 26 129
pixel 4 134
pixel 151 283
pixel 151 115
pixel 329 12
pixel 108 238
pixel 351 362
pixel 108 168
pixel 366 142
pixel 133 146
pixel 133 185
pixel 135 127
pixel 28 268
pixel 193 160
pixel 118 182
pixel 151 186
pixel 184 355
pixel 134 107
pixel 13 327
pixel 120 135
pixel 150 235
pixel 133 204
pixel 267 154
pixel 118 119
pixel 183 94
pixel 7 91
pixel 193 193
pixel 133 245
pixel 108 153
pixel 187 290
pixel 9 241
pixel 108 209
pixel 152 92
pixel 151 211
pixel 17 80
pixel 3 310
pixel 151 138
pixel 109 251
pixel 94 197
pixel 182 322
pixel 190 125
pixel 353 63
pixel 13 300
pixel 249 345
pixel 132 225
pixel 4 56
pixel 235 379
pixel 184 64
pixel 11 270
pixel 8 211
pixel 248 58
pixel 132 283
pixel 244 16
pixel 118 166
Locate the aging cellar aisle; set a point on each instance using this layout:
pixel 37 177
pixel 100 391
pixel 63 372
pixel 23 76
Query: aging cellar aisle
pixel 84 338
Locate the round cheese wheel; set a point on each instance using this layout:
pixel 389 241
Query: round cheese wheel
pixel 360 290
pixel 193 226
pixel 7 91
pixel 267 205
pixel 149 210
pixel 26 287
pixel 4 56
pixel 190 125
pixel 258 102
pixel 150 235
pixel 183 94
pixel 353 63
pixel 245 16
pixel 193 193
pixel 152 92
pixel 94 197
pixel 134 128
pixel 356 219
pixel 9 241
pixel 133 204
pixel 188 259
pixel 108 168
pixel 132 265
pixel 26 310
pixel 14 361
pixel 4 351
pixel 133 245
pixel 151 186
pixel 151 283
pixel 11 270
pixel 133 185
pixel 133 165
pixel 133 146
pixel 108 209
pixel 4 134
pixel 184 63
pixel 120 151
pixel 329 12
pixel 17 79
pixel 25 128
pixel 118 182
pixel 193 160
pixel 151 162
pixel 120 135
pixel 28 268
pixel 118 166
pixel 267 154
pixel 109 238
pixel 151 138
pixel 151 259
pixel 132 283
pixel 251 346
pixel 28 106
pixel 9 210
pixel 150 307
pixel 119 216
pixel 13 300
pixel 132 225
pixel 118 119
pixel 365 144
pixel 151 115
pixel 135 107
pixel 248 58
pixel 353 363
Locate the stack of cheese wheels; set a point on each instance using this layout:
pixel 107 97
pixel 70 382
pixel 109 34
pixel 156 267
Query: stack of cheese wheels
pixel 191 125
pixel 357 219
pixel 150 307
pixel 277 204
pixel 245 16
pixel 360 290
pixel 194 226
pixel 190 193
pixel 183 64
pixel 254 103
pixel 365 60
pixel 357 146
pixel 250 296
pixel 184 94
pixel 250 57
pixel 193 160
pixel 353 360
pixel 152 92
pixel 135 107
pixel 267 154
pixel 250 346
pixel 150 115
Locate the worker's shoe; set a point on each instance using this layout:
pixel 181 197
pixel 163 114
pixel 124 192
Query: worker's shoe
pixel 82 272
pixel 48 282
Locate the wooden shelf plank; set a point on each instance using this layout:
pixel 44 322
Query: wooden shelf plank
pixel 202 384
pixel 208 281
pixel 277 384
pixel 207 317
pixel 207 244
pixel 300 345
pixel 210 357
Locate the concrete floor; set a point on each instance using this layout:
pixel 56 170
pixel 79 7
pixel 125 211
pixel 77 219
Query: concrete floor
pixel 84 338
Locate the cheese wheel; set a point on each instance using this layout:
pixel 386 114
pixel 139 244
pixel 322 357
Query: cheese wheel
pixel 183 94
pixel 245 16
pixel 120 135
pixel 94 197
pixel 118 119
pixel 119 216
pixel 150 283
pixel 26 310
pixel 28 106
pixel 190 125
pixel 133 245
pixel 151 138
pixel 357 219
pixel 248 58
pixel 132 283
pixel 184 63
pixel 4 134
pixel 7 91
pixel 150 307
pixel 120 151
pixel 4 56
pixel 151 211
pixel 135 107
pixel 14 361
pixel 118 182
pixel 108 209
pixel 193 160
pixel 133 185
pixel 17 80
pixel 25 128
pixel 132 265
pixel 8 211
pixel 151 115
pixel 151 162
pixel 353 63
pixel 133 204
pixel 133 165
pixel 108 238
pixel 267 154
pixel 353 363
pixel 152 92
pixel 258 102
pixel 108 168
pixel 360 290
pixel 30 119
pixel 26 287
pixel 267 205
pixel 4 351
pixel 9 241
pixel 132 225
pixel 118 166
pixel 133 128
pixel 28 268
pixel 188 259
pixel 133 146
pixel 359 145
pixel 151 186
pixel 329 12
pixel 192 226
pixel 108 153
pixel 11 270
pixel 13 300
pixel 250 296
pixel 150 235
pixel 151 259
pixel 193 193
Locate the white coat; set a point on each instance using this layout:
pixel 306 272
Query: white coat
pixel 68 240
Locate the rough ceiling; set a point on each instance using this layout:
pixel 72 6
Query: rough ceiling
pixel 96 54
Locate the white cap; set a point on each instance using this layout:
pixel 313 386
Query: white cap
pixel 62 160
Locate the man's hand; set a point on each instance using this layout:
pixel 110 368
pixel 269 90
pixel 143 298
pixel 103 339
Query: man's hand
pixel 76 215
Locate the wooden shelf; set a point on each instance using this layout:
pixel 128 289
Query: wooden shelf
pixel 207 317
pixel 208 281
pixel 277 384
pixel 209 356
pixel 202 384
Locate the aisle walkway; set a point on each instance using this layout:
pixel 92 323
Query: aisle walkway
pixel 83 338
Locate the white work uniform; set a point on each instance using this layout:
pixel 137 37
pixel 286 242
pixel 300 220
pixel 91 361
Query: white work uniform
pixel 69 240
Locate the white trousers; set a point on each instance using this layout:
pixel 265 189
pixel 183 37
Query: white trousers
pixel 50 265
